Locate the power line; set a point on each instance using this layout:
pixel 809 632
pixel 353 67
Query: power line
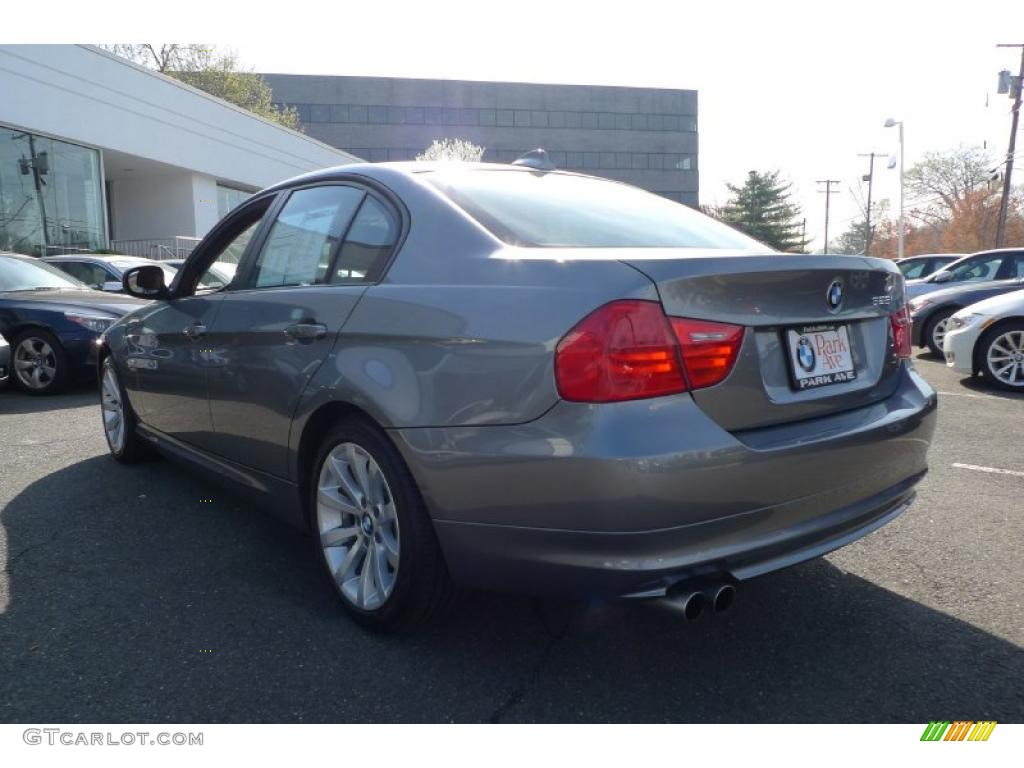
pixel 828 192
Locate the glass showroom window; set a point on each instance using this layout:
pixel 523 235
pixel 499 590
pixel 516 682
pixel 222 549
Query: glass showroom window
pixel 51 197
pixel 229 198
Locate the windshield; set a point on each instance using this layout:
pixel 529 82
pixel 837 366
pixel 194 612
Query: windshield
pixel 560 209
pixel 18 274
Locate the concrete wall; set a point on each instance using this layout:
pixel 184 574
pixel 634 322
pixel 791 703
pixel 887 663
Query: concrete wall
pixel 644 136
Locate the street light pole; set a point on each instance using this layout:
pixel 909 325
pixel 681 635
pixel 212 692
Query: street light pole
pixel 889 124
pixel 1004 201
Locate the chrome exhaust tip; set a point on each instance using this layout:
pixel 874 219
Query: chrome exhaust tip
pixel 689 604
pixel 723 597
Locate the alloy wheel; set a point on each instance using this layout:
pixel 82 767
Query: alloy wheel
pixel 113 410
pixel 358 526
pixel 1005 358
pixel 35 363
pixel 939 332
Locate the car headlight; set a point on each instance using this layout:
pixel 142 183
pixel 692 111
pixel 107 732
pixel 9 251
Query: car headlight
pixel 916 305
pixel 95 323
pixel 962 321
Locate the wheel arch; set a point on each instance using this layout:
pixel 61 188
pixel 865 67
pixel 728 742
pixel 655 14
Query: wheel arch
pixel 315 426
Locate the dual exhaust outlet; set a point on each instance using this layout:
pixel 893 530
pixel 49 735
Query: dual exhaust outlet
pixel 691 601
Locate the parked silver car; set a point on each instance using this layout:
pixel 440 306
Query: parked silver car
pixel 523 379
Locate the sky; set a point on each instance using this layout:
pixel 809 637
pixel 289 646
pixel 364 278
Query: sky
pixel 799 87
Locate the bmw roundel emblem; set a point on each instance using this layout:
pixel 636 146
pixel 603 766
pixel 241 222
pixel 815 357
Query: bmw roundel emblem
pixel 805 354
pixel 834 295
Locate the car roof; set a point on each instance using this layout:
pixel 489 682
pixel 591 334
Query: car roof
pixel 410 168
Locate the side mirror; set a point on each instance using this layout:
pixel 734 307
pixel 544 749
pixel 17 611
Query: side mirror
pixel 112 286
pixel 145 282
pixel 942 276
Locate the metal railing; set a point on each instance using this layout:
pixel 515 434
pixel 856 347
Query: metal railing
pixel 157 247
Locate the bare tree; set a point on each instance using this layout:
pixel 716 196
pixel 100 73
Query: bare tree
pixel 452 149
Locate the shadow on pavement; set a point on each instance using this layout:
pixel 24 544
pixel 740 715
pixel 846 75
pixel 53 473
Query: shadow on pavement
pixel 133 598
pixel 14 401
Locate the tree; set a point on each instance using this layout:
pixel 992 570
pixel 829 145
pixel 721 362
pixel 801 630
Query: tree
pixel 854 240
pixel 941 181
pixel 761 208
pixel 452 149
pixel 218 72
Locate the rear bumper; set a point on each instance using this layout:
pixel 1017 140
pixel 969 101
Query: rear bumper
pixel 627 499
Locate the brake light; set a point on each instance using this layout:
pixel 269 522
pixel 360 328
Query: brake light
pixel 901 322
pixel 628 350
pixel 709 349
pixel 622 351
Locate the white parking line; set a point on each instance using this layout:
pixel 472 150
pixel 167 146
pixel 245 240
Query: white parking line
pixel 990 470
pixel 977 397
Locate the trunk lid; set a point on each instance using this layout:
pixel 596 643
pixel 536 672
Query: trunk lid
pixel 771 295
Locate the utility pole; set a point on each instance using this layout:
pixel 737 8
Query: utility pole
pixel 1005 201
pixel 867 214
pixel 828 195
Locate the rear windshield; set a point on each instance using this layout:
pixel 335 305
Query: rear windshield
pixel 564 210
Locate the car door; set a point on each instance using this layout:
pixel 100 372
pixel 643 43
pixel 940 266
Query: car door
pixel 279 319
pixel 169 356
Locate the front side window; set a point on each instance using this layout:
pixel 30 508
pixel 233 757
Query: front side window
pixel 302 242
pixel 974 270
pixel 554 209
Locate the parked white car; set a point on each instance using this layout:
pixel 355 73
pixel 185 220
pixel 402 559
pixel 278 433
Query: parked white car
pixel 988 338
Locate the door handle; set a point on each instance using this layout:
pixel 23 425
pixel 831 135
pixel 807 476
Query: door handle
pixel 194 331
pixel 306 331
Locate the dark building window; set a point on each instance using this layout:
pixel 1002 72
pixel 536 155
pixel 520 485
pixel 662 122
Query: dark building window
pixel 487 117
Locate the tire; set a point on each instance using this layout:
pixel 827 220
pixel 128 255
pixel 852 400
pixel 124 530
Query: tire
pixel 1000 346
pixel 409 586
pixel 938 325
pixel 39 364
pixel 125 444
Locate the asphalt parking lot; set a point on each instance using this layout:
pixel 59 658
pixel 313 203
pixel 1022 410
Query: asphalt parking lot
pixel 147 594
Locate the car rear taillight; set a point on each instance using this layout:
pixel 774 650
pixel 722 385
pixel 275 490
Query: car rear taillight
pixel 901 322
pixel 628 350
pixel 709 349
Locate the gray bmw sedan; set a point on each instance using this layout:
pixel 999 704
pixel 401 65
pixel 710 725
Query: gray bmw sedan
pixel 516 378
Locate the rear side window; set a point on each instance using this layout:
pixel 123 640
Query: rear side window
pixel 302 242
pixel 559 209
pixel 367 244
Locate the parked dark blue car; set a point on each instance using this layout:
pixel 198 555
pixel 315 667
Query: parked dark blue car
pixel 52 322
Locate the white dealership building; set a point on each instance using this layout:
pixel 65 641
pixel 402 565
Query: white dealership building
pixel 96 152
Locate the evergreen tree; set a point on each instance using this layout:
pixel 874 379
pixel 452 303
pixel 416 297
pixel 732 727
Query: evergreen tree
pixel 762 209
